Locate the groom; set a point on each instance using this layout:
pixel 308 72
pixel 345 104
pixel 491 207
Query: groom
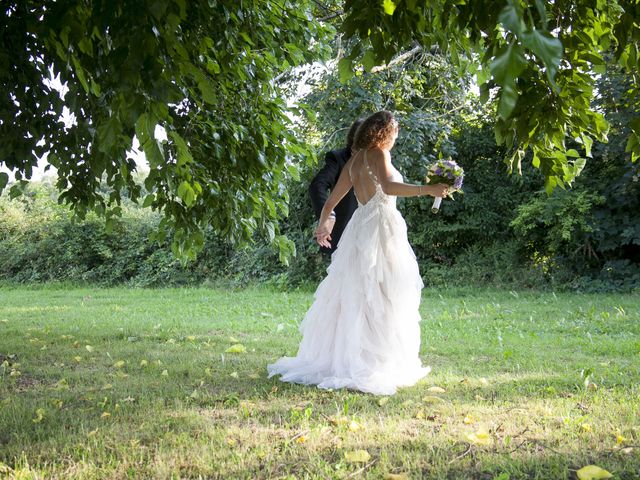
pixel 326 179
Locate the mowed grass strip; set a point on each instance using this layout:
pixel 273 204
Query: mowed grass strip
pixel 171 383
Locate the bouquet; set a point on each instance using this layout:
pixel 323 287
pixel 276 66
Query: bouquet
pixel 447 172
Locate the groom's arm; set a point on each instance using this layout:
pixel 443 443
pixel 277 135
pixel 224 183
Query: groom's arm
pixel 324 181
pixel 325 224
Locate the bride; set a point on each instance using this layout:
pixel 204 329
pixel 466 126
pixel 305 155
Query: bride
pixel 362 330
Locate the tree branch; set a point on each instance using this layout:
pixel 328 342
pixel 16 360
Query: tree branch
pixel 397 60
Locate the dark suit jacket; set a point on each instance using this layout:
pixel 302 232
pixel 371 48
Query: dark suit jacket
pixel 324 181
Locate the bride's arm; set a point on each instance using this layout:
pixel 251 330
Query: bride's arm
pixel 380 162
pixel 323 232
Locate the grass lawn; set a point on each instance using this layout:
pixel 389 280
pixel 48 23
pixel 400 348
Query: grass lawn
pixel 116 383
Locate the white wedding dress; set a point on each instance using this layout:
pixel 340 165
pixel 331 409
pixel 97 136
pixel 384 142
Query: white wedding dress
pixel 362 331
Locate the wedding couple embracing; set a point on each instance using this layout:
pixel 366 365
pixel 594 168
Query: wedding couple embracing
pixel 362 331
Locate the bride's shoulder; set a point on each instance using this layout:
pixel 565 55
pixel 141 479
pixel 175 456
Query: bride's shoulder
pixel 378 155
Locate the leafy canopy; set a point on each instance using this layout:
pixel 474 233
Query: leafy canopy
pixel 206 71
pixel 209 72
pixel 538 61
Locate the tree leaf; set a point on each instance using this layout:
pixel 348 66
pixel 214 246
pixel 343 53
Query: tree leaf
pixel 511 18
pixel 389 6
pixel 4 180
pixel 184 155
pixel 344 69
pixel 369 60
pixel 186 193
pixel 108 133
pixel 508 100
pixel 547 48
pixel 148 200
pixel 506 66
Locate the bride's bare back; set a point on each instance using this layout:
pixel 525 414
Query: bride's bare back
pixel 362 177
pixel 364 170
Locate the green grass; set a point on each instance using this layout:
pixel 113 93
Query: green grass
pixel 553 379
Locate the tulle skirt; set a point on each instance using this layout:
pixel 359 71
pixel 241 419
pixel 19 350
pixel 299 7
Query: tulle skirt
pixel 362 331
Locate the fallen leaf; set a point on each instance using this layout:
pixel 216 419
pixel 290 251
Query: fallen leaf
pixel 119 364
pixel 89 348
pixel 437 389
pixel 484 381
pixel 432 399
pixel 354 426
pixel 357 456
pixel 39 415
pixel 592 472
pixel 234 340
pixel 481 437
pixel 105 415
pixel 77 358
pixel 237 348
pixel 165 373
pixel 62 384
pixel 339 420
pixel 144 363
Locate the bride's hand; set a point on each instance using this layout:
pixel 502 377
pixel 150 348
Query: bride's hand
pixel 323 233
pixel 441 190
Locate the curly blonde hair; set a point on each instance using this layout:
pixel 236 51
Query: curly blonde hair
pixel 375 131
